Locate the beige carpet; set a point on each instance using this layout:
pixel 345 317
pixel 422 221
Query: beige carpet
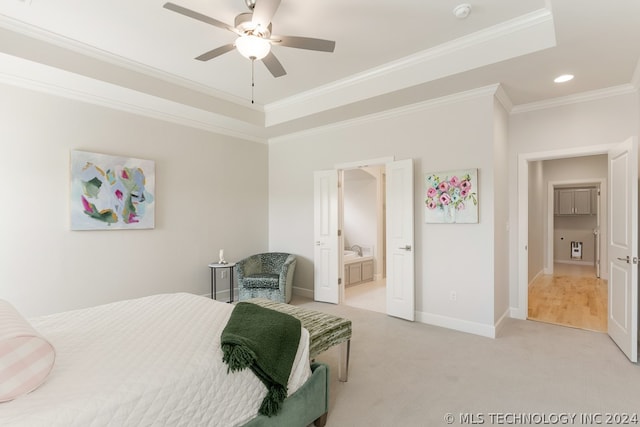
pixel 411 374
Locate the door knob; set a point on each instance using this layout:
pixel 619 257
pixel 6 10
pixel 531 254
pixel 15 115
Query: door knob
pixel 406 248
pixel 625 259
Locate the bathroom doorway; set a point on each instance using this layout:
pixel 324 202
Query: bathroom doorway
pixel 363 236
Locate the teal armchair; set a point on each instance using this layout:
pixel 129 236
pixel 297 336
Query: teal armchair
pixel 267 275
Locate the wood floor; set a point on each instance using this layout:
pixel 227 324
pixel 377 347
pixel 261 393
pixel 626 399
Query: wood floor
pixel 573 296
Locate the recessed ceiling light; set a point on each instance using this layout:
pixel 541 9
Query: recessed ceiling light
pixel 462 10
pixel 563 78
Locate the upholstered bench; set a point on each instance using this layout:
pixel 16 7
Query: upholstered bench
pixel 325 331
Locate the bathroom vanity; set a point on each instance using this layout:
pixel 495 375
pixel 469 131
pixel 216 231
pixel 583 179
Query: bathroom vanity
pixel 358 270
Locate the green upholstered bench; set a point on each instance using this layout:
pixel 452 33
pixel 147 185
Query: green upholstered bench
pixel 325 330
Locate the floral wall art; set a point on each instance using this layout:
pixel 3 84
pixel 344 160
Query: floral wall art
pixel 451 197
pixel 110 192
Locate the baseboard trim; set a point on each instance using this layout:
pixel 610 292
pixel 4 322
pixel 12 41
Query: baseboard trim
pixel 475 328
pixel 500 323
pixel 303 292
pixel 574 262
pixel 517 313
pixel 540 273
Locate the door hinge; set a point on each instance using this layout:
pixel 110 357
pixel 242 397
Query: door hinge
pixel 339 233
pixel 339 281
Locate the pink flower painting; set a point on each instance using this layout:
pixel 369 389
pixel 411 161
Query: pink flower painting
pixel 451 197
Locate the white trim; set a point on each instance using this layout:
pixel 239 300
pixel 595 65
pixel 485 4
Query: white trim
pixel 535 31
pixel 537 276
pixel 381 161
pixel 516 313
pixel 469 41
pixel 55 39
pixel 500 323
pixel 303 292
pixel 395 112
pixel 574 262
pixel 54 81
pixel 503 98
pixel 475 328
pixel 525 34
pixel 593 95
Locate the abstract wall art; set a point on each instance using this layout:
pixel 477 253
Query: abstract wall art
pixel 451 197
pixel 110 192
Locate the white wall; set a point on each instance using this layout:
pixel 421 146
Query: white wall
pixel 441 137
pixel 567 229
pixel 569 128
pixel 210 194
pixel 501 211
pixel 360 208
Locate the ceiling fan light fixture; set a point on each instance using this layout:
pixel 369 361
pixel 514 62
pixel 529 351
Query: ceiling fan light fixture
pixel 253 47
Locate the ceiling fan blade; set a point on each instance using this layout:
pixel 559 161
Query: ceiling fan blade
pixel 273 65
pixel 263 11
pixel 215 52
pixel 195 15
pixel 304 43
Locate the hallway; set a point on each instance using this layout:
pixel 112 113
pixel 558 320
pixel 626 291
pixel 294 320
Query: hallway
pixel 573 296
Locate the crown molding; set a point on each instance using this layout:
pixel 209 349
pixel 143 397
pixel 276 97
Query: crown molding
pixel 75 46
pixel 395 112
pixel 502 97
pixel 522 35
pixel 577 98
pixel 42 78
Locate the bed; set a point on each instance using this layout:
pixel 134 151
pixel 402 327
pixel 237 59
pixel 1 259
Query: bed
pixel 156 361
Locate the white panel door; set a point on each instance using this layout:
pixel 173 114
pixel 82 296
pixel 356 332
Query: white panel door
pixel 623 247
pixel 325 255
pixel 400 242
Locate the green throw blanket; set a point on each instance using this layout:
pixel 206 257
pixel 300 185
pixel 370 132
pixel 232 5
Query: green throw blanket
pixel 266 341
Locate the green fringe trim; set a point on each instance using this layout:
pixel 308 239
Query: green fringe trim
pixel 273 400
pixel 237 357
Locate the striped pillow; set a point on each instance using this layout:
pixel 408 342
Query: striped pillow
pixel 26 358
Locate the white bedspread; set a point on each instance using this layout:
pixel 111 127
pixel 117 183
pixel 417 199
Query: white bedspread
pixel 143 362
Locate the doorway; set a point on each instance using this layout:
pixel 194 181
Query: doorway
pixel 363 236
pixel 565 287
pixel 398 214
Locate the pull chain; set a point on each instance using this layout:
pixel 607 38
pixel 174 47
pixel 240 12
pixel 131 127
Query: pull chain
pixel 253 66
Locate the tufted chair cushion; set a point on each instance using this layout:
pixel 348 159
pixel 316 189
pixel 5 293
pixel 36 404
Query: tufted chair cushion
pixel 262 280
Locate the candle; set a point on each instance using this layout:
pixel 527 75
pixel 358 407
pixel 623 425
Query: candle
pixel 221 261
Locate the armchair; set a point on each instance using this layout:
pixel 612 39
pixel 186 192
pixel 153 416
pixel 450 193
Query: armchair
pixel 267 275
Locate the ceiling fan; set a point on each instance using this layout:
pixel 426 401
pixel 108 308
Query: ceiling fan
pixel 254 34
